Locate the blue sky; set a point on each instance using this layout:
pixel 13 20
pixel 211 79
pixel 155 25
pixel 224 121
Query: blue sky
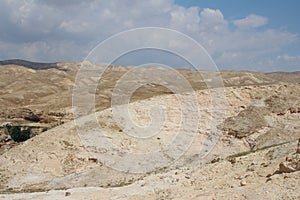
pixel 281 13
pixel 259 35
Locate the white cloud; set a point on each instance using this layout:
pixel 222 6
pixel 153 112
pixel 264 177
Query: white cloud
pixel 52 30
pixel 213 19
pixel 251 21
pixel 282 62
pixel 249 51
pixel 185 19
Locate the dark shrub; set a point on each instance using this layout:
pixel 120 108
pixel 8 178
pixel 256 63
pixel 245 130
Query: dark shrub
pixel 19 134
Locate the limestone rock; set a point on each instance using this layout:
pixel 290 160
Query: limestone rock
pixel 283 101
pixel 277 135
pixel 285 168
pixel 243 183
pixel 291 164
pixel 246 122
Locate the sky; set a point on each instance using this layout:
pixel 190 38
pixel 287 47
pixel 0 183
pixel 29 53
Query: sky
pixel 258 35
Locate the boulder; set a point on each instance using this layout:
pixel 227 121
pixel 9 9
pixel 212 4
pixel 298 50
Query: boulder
pixel 291 163
pixel 246 122
pixel 284 167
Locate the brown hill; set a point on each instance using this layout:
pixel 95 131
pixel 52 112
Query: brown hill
pixel 48 92
pixel 291 77
pixel 58 159
pixel 254 152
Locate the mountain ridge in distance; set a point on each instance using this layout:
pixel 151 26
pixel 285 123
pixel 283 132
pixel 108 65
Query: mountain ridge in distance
pixel 30 64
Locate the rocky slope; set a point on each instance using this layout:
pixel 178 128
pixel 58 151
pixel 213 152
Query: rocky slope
pixel 262 162
pixel 253 152
pixel 47 92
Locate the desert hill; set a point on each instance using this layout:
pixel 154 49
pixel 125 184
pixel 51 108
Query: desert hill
pixel 48 93
pixel 254 150
pixel 292 77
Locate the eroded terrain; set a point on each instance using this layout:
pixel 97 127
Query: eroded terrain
pixel 257 152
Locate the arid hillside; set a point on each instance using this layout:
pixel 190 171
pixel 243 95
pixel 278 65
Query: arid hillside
pixel 247 147
pixel 46 90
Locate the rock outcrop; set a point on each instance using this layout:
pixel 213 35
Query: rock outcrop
pixel 57 164
pixel 291 163
pixel 246 122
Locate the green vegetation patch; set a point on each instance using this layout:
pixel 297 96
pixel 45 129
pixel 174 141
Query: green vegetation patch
pixel 244 153
pixel 19 133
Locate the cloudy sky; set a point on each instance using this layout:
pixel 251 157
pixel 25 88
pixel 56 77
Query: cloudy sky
pixel 258 35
